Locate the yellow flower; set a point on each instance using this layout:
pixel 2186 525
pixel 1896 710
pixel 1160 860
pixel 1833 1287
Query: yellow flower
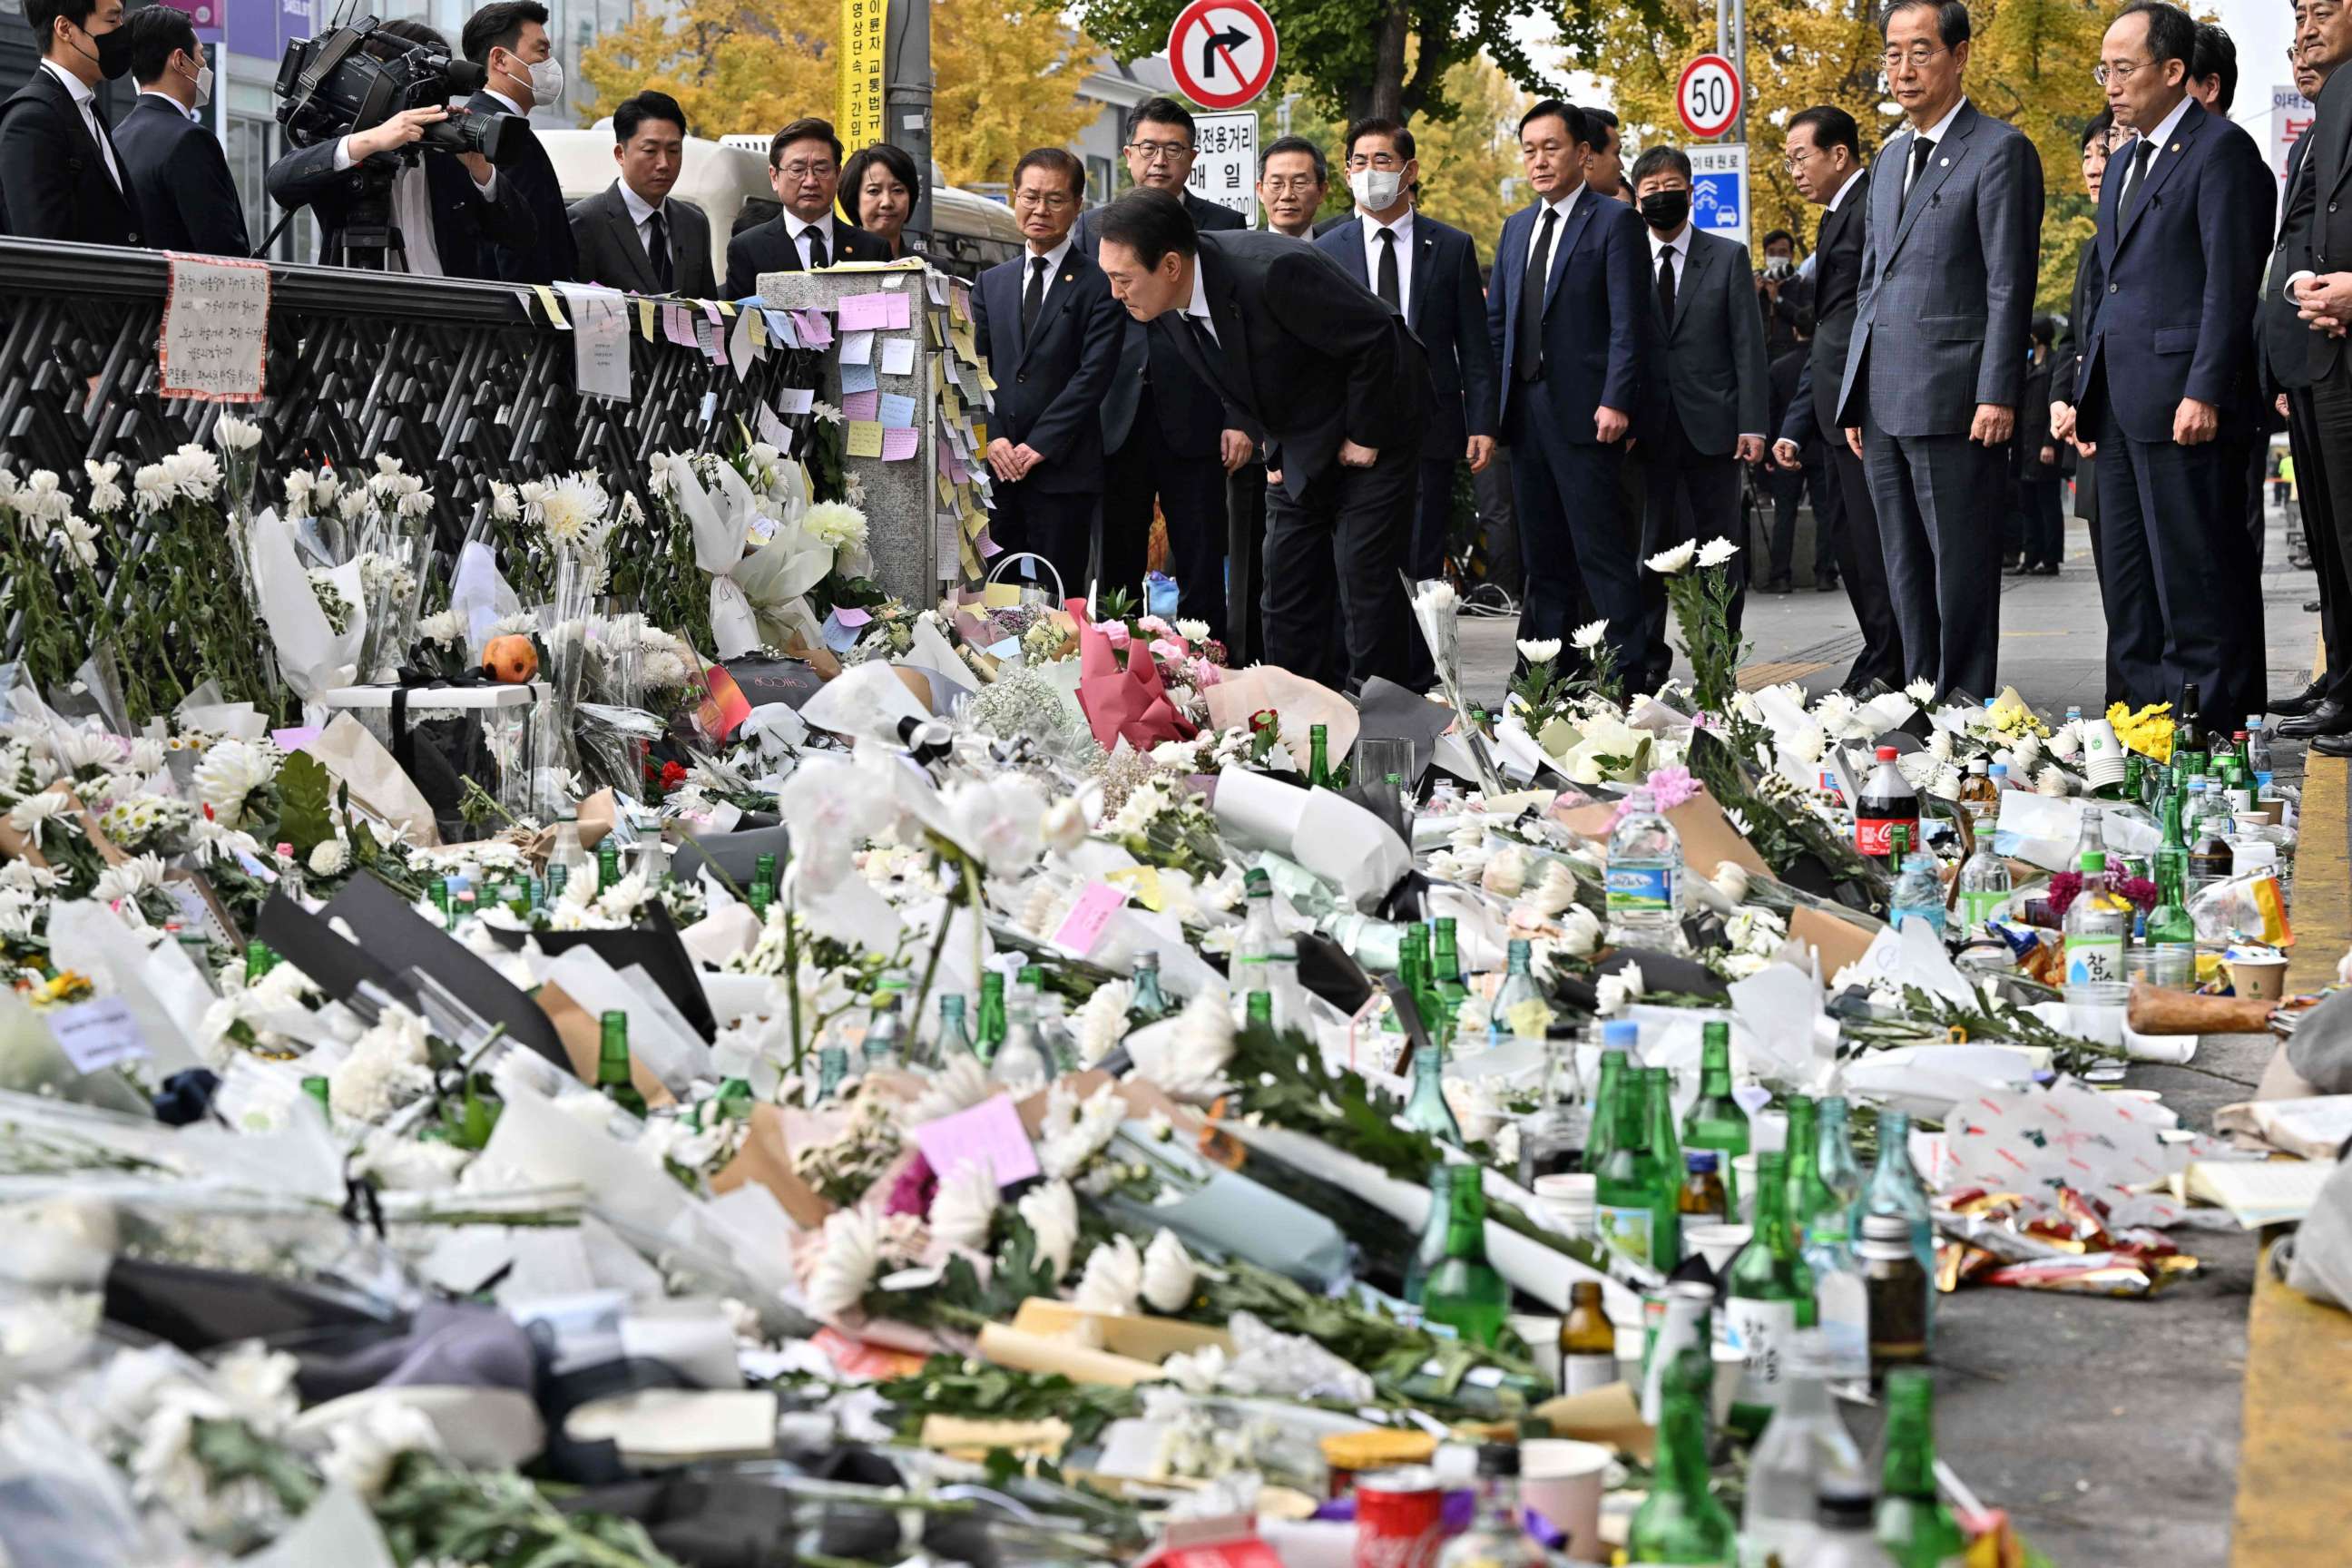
pixel 2148 731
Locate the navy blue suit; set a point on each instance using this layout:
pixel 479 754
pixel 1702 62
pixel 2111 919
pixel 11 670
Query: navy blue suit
pixel 1445 310
pixel 2179 272
pixel 180 174
pixel 1577 539
pixel 1049 392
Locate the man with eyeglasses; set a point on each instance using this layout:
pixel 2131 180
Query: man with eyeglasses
pixel 1291 183
pixel 804 168
pixel 1049 331
pixel 1165 430
pixel 2166 388
pixel 1949 269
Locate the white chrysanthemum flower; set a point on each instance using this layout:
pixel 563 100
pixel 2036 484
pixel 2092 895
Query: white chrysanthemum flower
pixel 504 505
pixel 105 493
pixel 1507 871
pixel 231 434
pixel 1050 1210
pixel 960 1085
pixel 368 1446
pixel 441 628
pixel 571 511
pixel 1730 879
pixel 1187 1060
pixel 1192 631
pixel 1715 552
pixel 1940 746
pixel 194 472
pixel 1436 598
pixel 1667 562
pixel 127 878
pixel 843 527
pixel 1587 636
pixel 329 856
pixel 1064 825
pixel 1169 1275
pixel 1922 691
pixel 33 815
pixel 386 1068
pixel 152 490
pixel 1102 1022
pixel 1113 1281
pixel 1615 992
pixel 844 1271
pixel 966 1203
pixel 2051 781
pixel 1579 932
pixel 1074 1130
pixel 1539 650
pixel 78 538
pixel 230 773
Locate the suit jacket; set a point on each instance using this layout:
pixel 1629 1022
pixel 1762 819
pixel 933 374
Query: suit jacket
pixel 769 247
pixel 2179 271
pixel 2283 342
pixel 1713 375
pixel 2034 431
pixel 1190 414
pixel 612 253
pixel 1951 275
pixel 1050 384
pixel 1445 310
pixel 1837 296
pixel 180 176
pixel 53 178
pixel 1597 341
pixel 550 257
pixel 2331 222
pixel 1302 355
pixel 465 222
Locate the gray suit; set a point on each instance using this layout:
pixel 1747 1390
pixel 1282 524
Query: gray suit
pixel 1950 271
pixel 611 254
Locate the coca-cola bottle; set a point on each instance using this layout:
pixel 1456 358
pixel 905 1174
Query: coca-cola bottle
pixel 1887 802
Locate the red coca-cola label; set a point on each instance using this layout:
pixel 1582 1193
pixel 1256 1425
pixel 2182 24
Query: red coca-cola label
pixel 1874 835
pixel 1399 1526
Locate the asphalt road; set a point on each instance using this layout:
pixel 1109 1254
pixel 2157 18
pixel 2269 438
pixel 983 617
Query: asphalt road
pixel 2107 1428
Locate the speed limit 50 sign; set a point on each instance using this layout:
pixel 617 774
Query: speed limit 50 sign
pixel 1707 97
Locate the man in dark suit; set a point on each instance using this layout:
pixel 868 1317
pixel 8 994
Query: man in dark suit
pixel 1949 272
pixel 445 209
pixel 1567 321
pixel 1292 180
pixel 1789 487
pixel 1049 331
pixel 631 236
pixel 2066 367
pixel 61 176
pixel 1164 429
pixel 2037 530
pixel 2166 385
pixel 509 39
pixel 805 167
pixel 1824 161
pixel 1430 272
pixel 177 171
pixel 1332 382
pixel 1703 414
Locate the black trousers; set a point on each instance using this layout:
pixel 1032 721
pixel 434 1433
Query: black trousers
pixel 1059 527
pixel 1853 527
pixel 1688 495
pixel 1191 493
pixel 2176 572
pixel 1939 502
pixel 1789 487
pixel 2319 432
pixel 1332 555
pixel 1432 519
pixel 2038 507
pixel 1577 545
pixel 1245 564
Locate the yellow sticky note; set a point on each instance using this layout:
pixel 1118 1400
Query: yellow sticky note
pixel 645 320
pixel 1146 884
pixel 971 561
pixel 865 438
pixel 950 403
pixel 979 434
pixel 938 341
pixel 987 382
pixel 999 595
pixel 726 307
pixel 547 302
pixel 758 324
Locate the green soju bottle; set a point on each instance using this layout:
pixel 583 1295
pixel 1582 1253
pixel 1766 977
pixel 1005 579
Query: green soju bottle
pixel 613 1066
pixel 1771 1297
pixel 1450 987
pixel 1914 1526
pixel 1681 1522
pixel 762 892
pixel 1715 1120
pixel 1666 1151
pixel 2168 924
pixel 991 1028
pixel 259 960
pixel 1802 1152
pixel 1632 1185
pixel 1150 1003
pixel 1318 758
pixel 1465 1291
pixel 1617 1041
pixel 1429 1251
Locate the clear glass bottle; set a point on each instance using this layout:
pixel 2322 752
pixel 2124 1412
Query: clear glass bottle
pixel 1465 1291
pixel 1518 987
pixel 832 1068
pixel 1914 1526
pixel 1429 1249
pixel 1150 1003
pixel 2258 757
pixel 1843 1534
pixel 2098 929
pixel 1020 1062
pixel 1427 1111
pixel 567 851
pixel 1644 878
pixel 1681 1522
pixel 290 873
pixel 1900 1294
pixel 954 1039
pixel 1985 886
pixel 1896 1188
pixel 1261 944
pixel 613 1078
pixel 1552 1140
pixel 1715 1119
pixel 1980 797
pixel 2210 856
pixel 885 1044
pixel 1495 1538
pixel 1838 1172
pixel 1918 893
pixel 1805 1451
pixel 1770 1297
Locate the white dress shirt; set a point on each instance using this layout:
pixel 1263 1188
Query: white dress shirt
pixel 1403 229
pixel 1679 248
pixel 412 214
pixel 2159 138
pixel 1935 133
pixel 1840 194
pixel 1053 258
pixel 189 114
pixel 512 106
pixel 1566 207
pixel 1199 308
pixel 641 213
pixel 86 99
pixel 824 229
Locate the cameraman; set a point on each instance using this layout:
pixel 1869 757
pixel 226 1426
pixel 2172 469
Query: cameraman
pixel 508 39
pixel 1781 291
pixel 448 208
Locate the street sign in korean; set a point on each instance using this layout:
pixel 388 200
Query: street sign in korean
pixel 1223 52
pixel 1719 189
pixel 1707 97
pixel 1225 171
pixel 2291 115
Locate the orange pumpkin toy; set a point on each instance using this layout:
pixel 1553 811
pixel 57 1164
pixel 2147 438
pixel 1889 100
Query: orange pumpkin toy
pixel 510 660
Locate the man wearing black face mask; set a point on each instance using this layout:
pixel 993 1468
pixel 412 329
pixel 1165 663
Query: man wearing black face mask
pixel 60 178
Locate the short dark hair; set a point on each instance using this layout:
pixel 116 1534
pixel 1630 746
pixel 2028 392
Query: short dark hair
pixel 1298 145
pixel 1951 19
pixel 2216 55
pixel 157 33
pixel 2098 125
pixel 2171 32
pixel 1161 111
pixel 1602 125
pixel 2044 329
pixel 632 112
pixel 1779 234
pixel 1055 158
pixel 1150 223
pixel 1832 127
pixel 1580 130
pixel 895 159
pixel 43 15
pixel 1379 125
pixel 1801 320
pixel 807 128
pixel 1659 161
pixel 498 25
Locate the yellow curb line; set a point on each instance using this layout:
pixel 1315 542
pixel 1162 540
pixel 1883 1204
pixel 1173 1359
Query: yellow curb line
pixel 2290 1510
pixel 2322 912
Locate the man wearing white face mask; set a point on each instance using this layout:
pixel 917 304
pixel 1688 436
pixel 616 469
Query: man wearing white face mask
pixel 509 39
pixel 173 162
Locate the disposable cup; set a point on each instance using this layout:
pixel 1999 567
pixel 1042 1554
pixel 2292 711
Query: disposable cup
pixel 1541 1332
pixel 1561 1479
pixel 2261 979
pixel 1743 1170
pixel 1718 1244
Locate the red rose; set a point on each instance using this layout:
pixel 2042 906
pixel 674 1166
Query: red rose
pixel 672 776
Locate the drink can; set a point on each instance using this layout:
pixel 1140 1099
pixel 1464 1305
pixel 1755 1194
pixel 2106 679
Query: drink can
pixel 1399 1518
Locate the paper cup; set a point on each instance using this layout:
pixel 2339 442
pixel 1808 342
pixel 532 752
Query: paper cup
pixel 1569 1198
pixel 2103 755
pixel 1541 1332
pixel 1718 1244
pixel 2261 978
pixel 1743 1171
pixel 1561 1479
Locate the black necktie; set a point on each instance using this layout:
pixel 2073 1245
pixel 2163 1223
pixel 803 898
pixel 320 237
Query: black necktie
pixel 1033 296
pixel 1666 284
pixel 1387 279
pixel 657 252
pixel 1531 298
pixel 817 257
pixel 1922 149
pixel 2134 178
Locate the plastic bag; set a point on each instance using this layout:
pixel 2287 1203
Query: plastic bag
pixel 2249 907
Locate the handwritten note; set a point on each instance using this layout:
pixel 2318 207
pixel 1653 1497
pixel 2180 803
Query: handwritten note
pixel 898 410
pixel 795 400
pixel 864 438
pixel 295 739
pixel 898 442
pixel 898 357
pixel 600 341
pixel 816 332
pixel 859 378
pixel 989 1132
pixel 678 326
pixel 896 313
pixel 863 313
pixel 215 334
pixel 782 329
pixel 856 347
pixel 104 1034
pixel 861 406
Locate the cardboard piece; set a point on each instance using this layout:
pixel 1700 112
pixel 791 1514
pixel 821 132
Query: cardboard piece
pixel 1708 839
pixel 961 1437
pixel 766 1157
pixel 1142 1336
pixel 1836 943
pixel 1609 1415
pixel 379 785
pixel 400 939
pixel 584 1040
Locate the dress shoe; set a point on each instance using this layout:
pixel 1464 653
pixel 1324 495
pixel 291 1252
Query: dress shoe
pixel 2332 746
pixel 1778 585
pixel 2047 568
pixel 2016 569
pixel 2302 703
pixel 1829 585
pixel 2329 717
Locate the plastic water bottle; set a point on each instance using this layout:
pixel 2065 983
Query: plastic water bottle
pixel 1645 875
pixel 1918 895
pixel 2258 757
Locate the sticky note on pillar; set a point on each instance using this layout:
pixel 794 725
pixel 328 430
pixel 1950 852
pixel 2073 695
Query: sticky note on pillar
pixel 864 438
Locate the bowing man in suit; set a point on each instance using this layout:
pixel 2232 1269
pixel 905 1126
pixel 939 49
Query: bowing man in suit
pixel 1824 159
pixel 805 167
pixel 61 176
pixel 1049 331
pixel 1705 411
pixel 509 39
pixel 631 234
pixel 1335 386
pixel 1567 321
pixel 2166 387
pixel 177 170
pixel 1430 272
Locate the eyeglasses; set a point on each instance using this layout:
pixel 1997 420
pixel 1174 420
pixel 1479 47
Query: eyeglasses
pixel 2121 71
pixel 1152 152
pixel 1798 158
pixel 1381 160
pixel 1293 185
pixel 1051 201
pixel 1918 58
pixel 806 171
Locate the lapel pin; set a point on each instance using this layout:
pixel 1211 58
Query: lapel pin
pixel 2174 148
pixel 1947 163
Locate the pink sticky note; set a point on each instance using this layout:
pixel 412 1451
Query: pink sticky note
pixel 295 739
pixel 861 406
pixel 897 444
pixel 1083 926
pixel 816 332
pixel 864 313
pixel 989 548
pixel 991 1131
pixel 850 616
pixel 897 312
